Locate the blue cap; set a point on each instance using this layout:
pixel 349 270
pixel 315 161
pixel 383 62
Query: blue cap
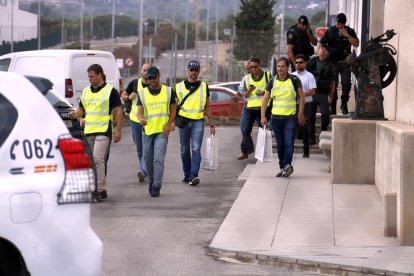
pixel 194 64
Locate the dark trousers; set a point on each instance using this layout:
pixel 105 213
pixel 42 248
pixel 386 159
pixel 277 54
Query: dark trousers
pixel 321 100
pixel 342 68
pixel 251 115
pixel 304 131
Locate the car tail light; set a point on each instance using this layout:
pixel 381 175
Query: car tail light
pixel 121 89
pixel 68 88
pixel 80 175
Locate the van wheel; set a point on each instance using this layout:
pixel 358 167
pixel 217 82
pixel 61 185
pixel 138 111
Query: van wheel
pixel 11 261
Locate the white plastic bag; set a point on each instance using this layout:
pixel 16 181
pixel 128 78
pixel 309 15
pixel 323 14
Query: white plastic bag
pixel 210 157
pixel 264 151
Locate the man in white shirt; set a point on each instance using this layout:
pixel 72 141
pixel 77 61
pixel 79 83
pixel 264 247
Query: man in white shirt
pixel 309 88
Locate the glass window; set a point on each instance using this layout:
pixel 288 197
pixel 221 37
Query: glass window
pixel 5 63
pixel 8 115
pixel 219 96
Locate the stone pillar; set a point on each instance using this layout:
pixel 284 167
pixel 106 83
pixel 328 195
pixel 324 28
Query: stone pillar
pixel 394 178
pixel 353 151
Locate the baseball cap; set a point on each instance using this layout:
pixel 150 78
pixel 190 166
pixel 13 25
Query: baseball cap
pixel 325 46
pixel 153 72
pixel 303 19
pixel 341 18
pixel 194 64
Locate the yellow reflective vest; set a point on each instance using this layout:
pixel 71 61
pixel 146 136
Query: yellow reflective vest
pixel 96 106
pixel 255 100
pixel 193 107
pixel 156 109
pixel 134 107
pixel 284 97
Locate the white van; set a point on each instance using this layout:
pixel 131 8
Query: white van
pixel 65 68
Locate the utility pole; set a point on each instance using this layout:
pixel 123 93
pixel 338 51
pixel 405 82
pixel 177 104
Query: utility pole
pixel 197 26
pixel 38 26
pixel 140 34
pixel 216 45
pixel 81 25
pixel 113 22
pixel 62 31
pixel 12 27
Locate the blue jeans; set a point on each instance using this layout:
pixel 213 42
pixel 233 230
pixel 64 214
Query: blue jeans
pixel 243 119
pixel 284 128
pixel 192 135
pixel 136 131
pixel 155 149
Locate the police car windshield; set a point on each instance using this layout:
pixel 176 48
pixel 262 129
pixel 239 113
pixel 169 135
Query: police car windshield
pixel 56 100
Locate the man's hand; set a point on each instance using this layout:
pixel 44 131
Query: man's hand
pixel 263 121
pixel 330 98
pixel 301 119
pixel 132 96
pixel 212 130
pixel 117 136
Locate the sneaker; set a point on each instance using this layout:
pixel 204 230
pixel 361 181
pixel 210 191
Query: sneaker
pixel 288 170
pixel 155 192
pixel 141 176
pixel 195 181
pixel 344 109
pixel 305 153
pixel 185 180
pixel 280 173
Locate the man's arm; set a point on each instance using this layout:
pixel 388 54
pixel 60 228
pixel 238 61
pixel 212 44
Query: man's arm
pixel 301 116
pixel 290 53
pixel 263 108
pixel 311 37
pixel 207 111
pixel 118 121
pixel 78 113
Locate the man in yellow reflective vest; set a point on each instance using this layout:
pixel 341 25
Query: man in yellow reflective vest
pixel 100 102
pixel 156 112
pixel 284 89
pixel 254 86
pixel 193 109
pixel 130 94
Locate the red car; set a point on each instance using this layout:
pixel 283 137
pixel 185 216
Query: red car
pixel 225 102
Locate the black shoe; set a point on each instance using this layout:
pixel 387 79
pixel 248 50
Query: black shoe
pixel 194 182
pixel 155 192
pixel 332 111
pixel 344 109
pixel 150 188
pixel 305 154
pixel 102 195
pixel 185 180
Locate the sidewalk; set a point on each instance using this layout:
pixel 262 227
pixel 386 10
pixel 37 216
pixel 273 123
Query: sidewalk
pixel 306 223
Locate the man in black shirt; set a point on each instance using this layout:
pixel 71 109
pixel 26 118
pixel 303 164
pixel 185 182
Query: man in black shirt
pixel 339 39
pixel 300 40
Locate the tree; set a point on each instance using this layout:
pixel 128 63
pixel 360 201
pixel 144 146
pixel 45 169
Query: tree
pixel 254 29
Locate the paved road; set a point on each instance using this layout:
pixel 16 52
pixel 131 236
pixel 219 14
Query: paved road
pixel 169 235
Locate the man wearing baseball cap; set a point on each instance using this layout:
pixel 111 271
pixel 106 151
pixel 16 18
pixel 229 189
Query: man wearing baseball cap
pixel 300 40
pixel 340 38
pixel 156 112
pixel 193 103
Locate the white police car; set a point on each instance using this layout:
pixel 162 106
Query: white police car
pixel 46 182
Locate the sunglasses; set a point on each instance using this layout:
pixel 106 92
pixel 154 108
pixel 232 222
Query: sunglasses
pixel 152 78
pixel 299 62
pixel 194 70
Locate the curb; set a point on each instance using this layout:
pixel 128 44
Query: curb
pixel 299 264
